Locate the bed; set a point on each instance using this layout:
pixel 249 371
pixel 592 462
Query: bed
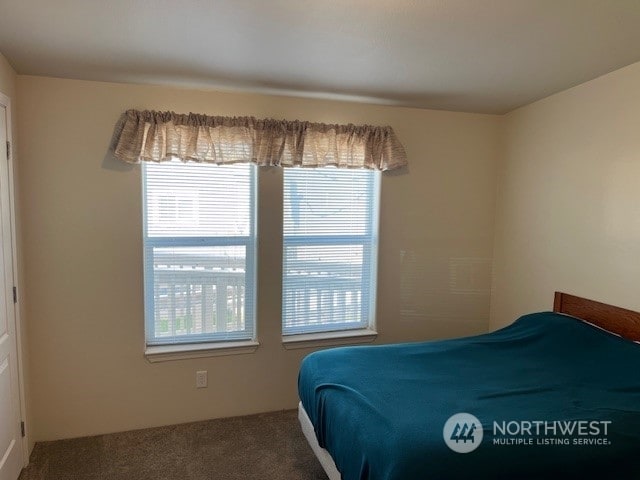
pixel 553 395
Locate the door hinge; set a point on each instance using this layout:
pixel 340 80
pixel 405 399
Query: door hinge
pixel 22 428
pixel 15 295
pixel 8 149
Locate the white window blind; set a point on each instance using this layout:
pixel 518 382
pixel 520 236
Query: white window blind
pixel 199 252
pixel 330 249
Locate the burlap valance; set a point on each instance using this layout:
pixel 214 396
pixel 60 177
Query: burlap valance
pixel 159 136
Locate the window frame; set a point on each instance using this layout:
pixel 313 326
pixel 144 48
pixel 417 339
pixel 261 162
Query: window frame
pixel 344 332
pixel 205 344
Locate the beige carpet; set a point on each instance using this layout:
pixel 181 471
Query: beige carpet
pixel 260 447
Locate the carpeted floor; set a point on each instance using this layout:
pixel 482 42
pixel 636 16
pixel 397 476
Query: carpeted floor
pixel 265 446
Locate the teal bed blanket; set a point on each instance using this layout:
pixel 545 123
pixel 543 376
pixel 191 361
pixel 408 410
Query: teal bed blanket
pixel 553 398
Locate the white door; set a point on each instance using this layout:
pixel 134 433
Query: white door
pixel 10 431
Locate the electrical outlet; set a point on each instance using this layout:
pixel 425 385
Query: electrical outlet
pixel 201 379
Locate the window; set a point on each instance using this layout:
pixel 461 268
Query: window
pixel 199 252
pixel 330 249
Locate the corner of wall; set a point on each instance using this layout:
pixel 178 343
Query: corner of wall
pixel 500 165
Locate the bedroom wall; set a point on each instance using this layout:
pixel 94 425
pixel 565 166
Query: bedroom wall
pixel 82 244
pixel 568 215
pixel 8 86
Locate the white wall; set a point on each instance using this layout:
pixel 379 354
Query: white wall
pixel 568 215
pixel 83 255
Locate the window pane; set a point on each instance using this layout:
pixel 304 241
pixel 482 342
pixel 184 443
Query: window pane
pixel 330 249
pixel 197 200
pixel 199 290
pixel 323 287
pixel 327 201
pixel 199 252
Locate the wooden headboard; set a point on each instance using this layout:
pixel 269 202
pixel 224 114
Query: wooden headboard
pixel 621 321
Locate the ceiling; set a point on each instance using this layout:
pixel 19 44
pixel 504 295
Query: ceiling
pixel 487 56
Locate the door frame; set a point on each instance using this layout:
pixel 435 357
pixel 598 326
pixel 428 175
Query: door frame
pixel 5 101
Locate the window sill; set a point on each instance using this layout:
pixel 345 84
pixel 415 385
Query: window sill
pixel 326 339
pixel 164 353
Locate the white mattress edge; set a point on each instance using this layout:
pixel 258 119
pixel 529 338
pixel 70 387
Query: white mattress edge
pixel 324 457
